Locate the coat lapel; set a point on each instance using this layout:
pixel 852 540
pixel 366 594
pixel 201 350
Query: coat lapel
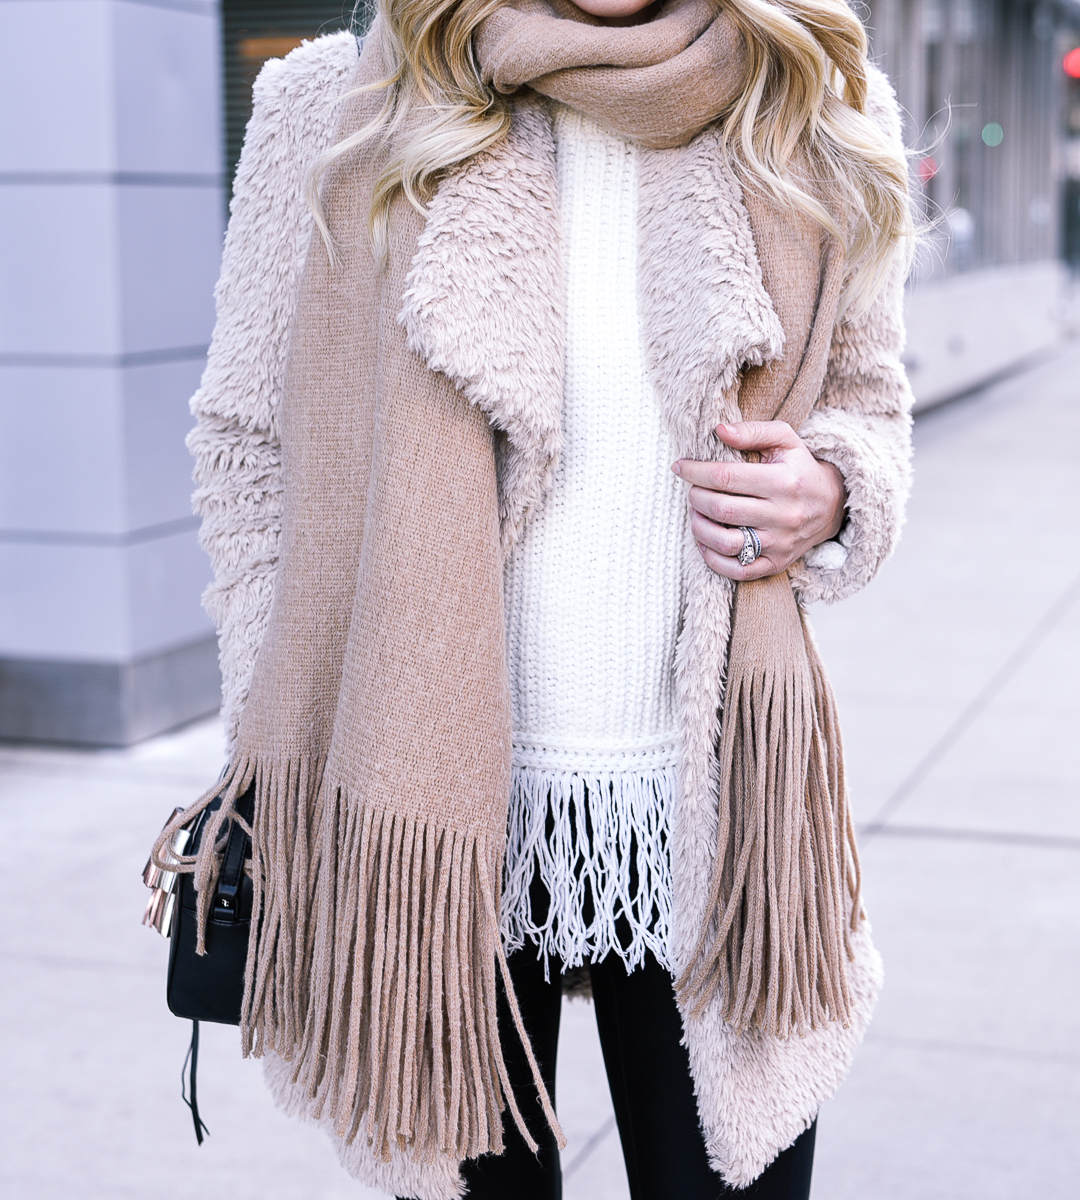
pixel 484 302
pixel 484 297
pixel 704 306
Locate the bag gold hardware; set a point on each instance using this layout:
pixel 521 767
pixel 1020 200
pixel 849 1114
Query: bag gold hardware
pixel 162 884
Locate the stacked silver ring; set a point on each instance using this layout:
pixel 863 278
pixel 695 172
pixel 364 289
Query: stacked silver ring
pixel 751 546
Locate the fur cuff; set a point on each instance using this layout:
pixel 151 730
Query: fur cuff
pixel 873 454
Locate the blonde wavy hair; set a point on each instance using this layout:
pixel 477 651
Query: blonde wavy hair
pixel 806 90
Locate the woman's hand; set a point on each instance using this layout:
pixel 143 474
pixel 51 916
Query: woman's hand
pixel 790 499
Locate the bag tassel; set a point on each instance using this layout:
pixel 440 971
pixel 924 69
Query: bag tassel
pixel 192 1058
pixel 775 940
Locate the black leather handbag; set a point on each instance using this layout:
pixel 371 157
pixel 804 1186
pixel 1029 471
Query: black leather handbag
pixel 207 987
pixel 210 987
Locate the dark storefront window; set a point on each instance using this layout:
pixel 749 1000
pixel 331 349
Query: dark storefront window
pixel 257 30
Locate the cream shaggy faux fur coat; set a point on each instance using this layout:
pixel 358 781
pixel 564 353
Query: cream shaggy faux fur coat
pixel 755 1093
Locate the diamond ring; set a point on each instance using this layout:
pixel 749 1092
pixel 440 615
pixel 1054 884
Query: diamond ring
pixel 751 546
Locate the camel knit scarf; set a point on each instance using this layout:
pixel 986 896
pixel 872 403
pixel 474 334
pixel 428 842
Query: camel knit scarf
pixel 377 730
pixel 659 83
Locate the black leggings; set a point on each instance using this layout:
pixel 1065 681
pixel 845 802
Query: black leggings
pixel 648 1071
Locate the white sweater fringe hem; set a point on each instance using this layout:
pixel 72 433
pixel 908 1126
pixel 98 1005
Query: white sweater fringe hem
pixel 589 834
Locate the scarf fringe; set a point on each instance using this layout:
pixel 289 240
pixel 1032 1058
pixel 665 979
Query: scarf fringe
pixel 372 965
pixel 776 939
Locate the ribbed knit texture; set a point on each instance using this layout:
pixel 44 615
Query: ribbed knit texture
pixel 592 598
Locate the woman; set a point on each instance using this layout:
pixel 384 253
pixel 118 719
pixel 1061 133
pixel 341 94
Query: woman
pixel 523 439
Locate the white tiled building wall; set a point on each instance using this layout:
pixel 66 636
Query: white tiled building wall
pixel 111 202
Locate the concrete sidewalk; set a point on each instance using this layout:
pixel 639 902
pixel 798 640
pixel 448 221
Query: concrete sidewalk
pixel 957 673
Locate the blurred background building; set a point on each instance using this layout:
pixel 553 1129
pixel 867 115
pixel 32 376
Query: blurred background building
pixel 993 114
pixel 124 120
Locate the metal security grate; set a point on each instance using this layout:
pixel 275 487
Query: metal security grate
pixel 257 30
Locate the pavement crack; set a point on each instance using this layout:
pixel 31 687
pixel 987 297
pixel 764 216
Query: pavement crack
pixel 1047 841
pixel 12 768
pixel 61 962
pixel 588 1149
pixel 974 708
pixel 940 1044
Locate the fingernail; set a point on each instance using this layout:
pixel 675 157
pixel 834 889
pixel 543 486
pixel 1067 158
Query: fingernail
pixel 677 468
pixel 701 547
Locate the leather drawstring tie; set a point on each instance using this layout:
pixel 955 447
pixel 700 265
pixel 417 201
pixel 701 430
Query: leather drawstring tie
pixel 190 1083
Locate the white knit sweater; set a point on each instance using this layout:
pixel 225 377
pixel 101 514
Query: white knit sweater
pixel 593 594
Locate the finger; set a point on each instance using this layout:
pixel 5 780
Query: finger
pixel 759 435
pixel 740 478
pixel 719 538
pixel 725 509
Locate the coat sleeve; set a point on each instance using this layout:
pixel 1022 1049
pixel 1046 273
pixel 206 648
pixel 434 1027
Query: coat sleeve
pixel 235 440
pixel 862 425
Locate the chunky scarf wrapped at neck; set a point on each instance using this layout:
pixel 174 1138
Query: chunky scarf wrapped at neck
pixel 377 729
pixel 660 83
